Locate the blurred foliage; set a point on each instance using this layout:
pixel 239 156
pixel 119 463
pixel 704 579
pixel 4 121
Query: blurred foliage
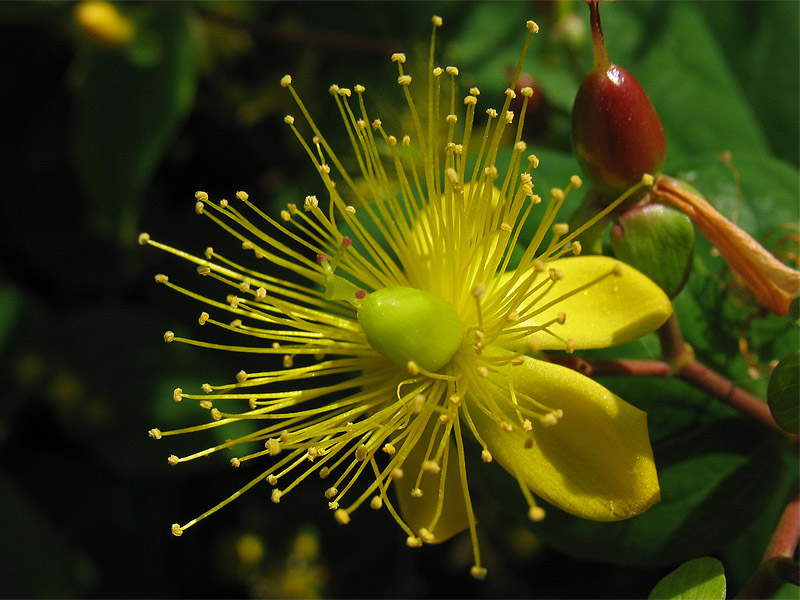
pixel 109 134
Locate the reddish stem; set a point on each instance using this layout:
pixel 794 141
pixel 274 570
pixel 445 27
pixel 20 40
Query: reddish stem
pixel 601 60
pixel 787 533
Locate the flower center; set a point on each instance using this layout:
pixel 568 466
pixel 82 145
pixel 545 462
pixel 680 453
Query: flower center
pixel 408 325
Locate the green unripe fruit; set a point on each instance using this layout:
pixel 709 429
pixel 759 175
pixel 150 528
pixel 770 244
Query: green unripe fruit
pixel 405 324
pixel 616 134
pixel 657 240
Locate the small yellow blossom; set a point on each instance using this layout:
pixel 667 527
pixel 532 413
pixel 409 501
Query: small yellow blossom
pixel 406 332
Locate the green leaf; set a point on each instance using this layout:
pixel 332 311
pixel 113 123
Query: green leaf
pixel 788 591
pixel 686 77
pixel 130 102
pixel 783 393
pixel 700 578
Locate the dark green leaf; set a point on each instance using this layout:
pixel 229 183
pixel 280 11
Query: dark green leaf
pixel 698 579
pixel 783 393
pixel 130 102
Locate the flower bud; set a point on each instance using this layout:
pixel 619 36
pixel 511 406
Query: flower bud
pixel 616 134
pixel 657 240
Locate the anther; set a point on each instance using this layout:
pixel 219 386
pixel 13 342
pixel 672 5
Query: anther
pixel 285 215
pixel 561 318
pixel 413 368
pixel 361 452
pixel 437 71
pixel 536 513
pixel 647 179
pixel 452 175
pixel 455 400
pixel 486 456
pixel 452 70
pixel 345 92
pixel 310 203
pixel 431 466
pixel 198 208
pixel 176 530
pixel 241 376
pixel 169 336
pixel 532 26
pixel 288 361
pixel 482 371
pixel 560 229
pixel 576 248
pixel 533 160
pixel 413 542
pixel 416 493
pixel 161 278
pixel 512 316
pixel 206 387
pixel 272 480
pixel 324 472
pixel 342 516
pixel 376 124
pixel 478 572
pixel 527 425
pixel 144 238
pixel 359 88
pixel 406 141
pixel 203 270
pixel 201 196
pixel 436 20
pixel 334 89
pixel 173 460
pixel 331 492
pixel 206 404
pixel 404 80
pixel 376 503
pixel 389 449
pixel 399 57
pixel 397 473
pixel 527 92
pixel 444 419
pixel 276 495
pixel 505 426
pixel 426 535
pixel 216 414
pixel 286 81
pixel 177 394
pixel 261 293
pixel 274 446
pixel 155 433
pixel 479 291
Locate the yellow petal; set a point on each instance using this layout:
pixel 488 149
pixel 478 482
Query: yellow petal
pixel 605 302
pixel 419 511
pixel 595 463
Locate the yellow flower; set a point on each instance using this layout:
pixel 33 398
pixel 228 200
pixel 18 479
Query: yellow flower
pixel 405 333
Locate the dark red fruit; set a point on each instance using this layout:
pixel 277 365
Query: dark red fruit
pixel 616 134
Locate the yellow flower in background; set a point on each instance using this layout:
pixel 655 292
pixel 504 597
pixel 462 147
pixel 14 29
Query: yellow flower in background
pixel 406 334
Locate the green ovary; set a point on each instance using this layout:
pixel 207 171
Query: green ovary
pixel 405 324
